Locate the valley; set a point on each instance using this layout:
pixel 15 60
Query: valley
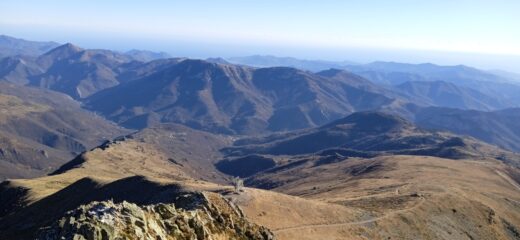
pixel 101 144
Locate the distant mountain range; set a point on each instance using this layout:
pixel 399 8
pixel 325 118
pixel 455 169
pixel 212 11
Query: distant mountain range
pixel 501 90
pixel 217 96
pixel 439 93
pixel 361 135
pixel 146 56
pixel 326 150
pixel 365 134
pixel 273 61
pixel 235 99
pixel 501 127
pixel 73 70
pixel 496 87
pixel 10 46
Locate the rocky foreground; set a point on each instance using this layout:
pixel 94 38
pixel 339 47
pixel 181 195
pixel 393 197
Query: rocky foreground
pixel 194 217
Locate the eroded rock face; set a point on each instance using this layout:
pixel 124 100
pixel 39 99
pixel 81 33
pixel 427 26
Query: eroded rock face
pixel 201 216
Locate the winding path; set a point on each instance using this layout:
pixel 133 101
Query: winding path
pixel 350 223
pixel 508 179
pixel 501 174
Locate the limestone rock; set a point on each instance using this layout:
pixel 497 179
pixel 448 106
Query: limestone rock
pixel 197 216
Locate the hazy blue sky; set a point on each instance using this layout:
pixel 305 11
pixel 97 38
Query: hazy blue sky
pixel 443 31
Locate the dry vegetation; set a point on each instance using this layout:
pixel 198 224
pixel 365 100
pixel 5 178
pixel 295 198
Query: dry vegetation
pixel 405 197
pixel 14 107
pixel 390 197
pixel 381 197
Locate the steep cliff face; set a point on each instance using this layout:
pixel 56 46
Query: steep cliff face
pixel 192 216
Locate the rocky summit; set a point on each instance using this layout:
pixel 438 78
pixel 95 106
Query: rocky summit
pixel 194 218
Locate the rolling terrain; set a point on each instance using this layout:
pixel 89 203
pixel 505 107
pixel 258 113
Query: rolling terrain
pixel 352 197
pixel 493 87
pixel 40 130
pixel 68 69
pixel 450 95
pixel 133 169
pixel 75 71
pixel 425 84
pixel 403 197
pixel 367 133
pixel 496 127
pixel 462 189
pixel 326 150
pixel 232 99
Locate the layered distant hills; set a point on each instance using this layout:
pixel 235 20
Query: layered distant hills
pixel 440 93
pixel 136 91
pixel 369 134
pixel 234 99
pixel 72 70
pixel 364 169
pixel 501 127
pixel 10 46
pixel 141 89
pixel 273 61
pixel 141 145
pixel 497 89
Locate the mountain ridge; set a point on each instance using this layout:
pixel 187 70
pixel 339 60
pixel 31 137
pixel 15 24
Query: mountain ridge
pixel 11 46
pixel 41 129
pixel 267 96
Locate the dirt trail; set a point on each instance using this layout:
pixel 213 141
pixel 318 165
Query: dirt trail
pixel 501 174
pixel 508 179
pixel 351 223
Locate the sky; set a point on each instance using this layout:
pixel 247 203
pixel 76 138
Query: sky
pixel 482 33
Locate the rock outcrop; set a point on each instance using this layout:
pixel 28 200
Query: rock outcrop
pixel 191 216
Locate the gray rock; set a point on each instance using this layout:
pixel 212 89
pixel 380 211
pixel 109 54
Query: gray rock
pixel 202 219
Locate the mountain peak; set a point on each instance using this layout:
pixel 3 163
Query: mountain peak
pixel 330 72
pixel 340 73
pixel 63 51
pixel 372 119
pixel 217 60
pixel 146 55
pixel 9 39
pixel 5 37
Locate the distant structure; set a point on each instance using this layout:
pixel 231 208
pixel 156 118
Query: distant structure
pixel 238 183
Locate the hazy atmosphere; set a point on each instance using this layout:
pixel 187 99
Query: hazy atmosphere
pixel 480 33
pixel 259 120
